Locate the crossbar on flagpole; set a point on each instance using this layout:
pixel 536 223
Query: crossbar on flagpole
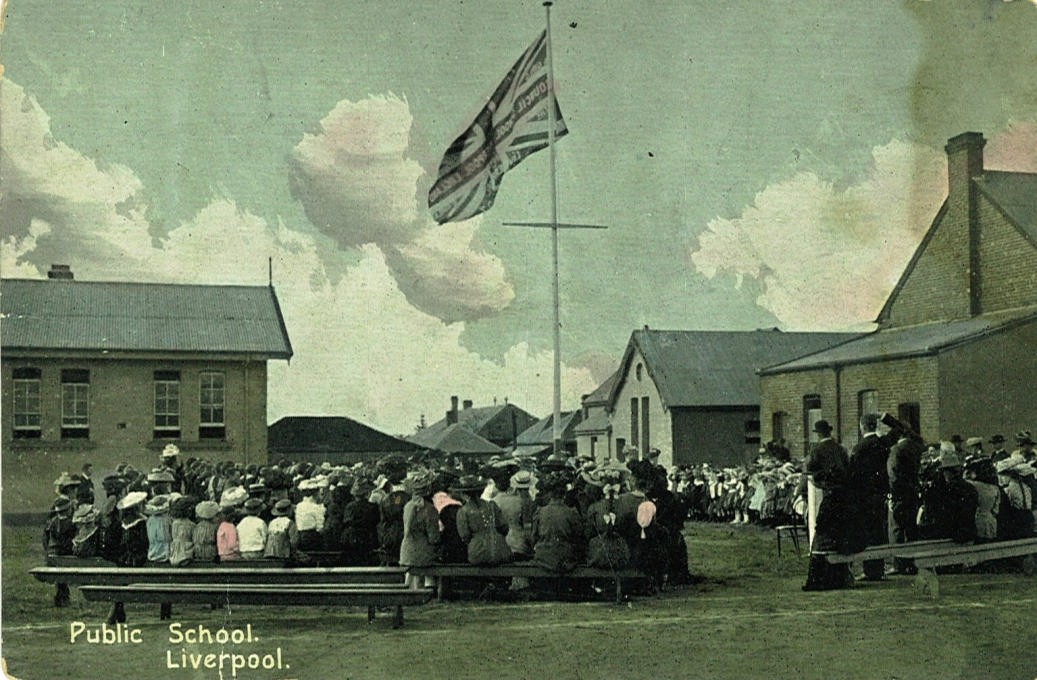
pixel 552 225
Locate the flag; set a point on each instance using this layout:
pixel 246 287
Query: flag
pixel 512 125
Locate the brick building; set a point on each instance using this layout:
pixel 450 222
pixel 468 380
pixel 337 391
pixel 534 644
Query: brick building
pixel 955 351
pixel 106 373
pixel 695 395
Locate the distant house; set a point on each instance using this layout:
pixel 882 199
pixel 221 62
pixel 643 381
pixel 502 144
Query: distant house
pixel 538 438
pixel 455 440
pixel 695 395
pixel 594 432
pixel 500 423
pixel 956 347
pixel 106 372
pixel 335 439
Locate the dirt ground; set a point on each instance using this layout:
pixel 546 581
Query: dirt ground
pixel 746 618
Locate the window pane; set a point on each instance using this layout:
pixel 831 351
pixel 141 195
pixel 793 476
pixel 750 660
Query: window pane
pixel 211 400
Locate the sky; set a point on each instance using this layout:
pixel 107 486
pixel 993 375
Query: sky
pixel 757 164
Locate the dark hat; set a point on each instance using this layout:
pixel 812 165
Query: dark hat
pixel 253 506
pixel 282 508
pixel 956 439
pixel 469 483
pixel 1024 437
pixel 654 453
pixel 61 505
pixel 997 439
pixel 822 427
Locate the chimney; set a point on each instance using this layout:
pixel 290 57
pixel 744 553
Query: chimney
pixel 451 415
pixel 467 404
pixel 964 162
pixel 60 271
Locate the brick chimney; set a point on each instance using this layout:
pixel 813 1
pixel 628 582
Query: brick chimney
pixel 466 404
pixel 451 415
pixel 964 162
pixel 60 271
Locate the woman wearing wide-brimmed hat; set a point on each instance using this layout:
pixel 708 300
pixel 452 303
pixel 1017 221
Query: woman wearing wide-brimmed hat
pixel 559 541
pixel 282 539
pixel 421 535
pixel 203 536
pixel 480 523
pixel 1015 476
pixel 87 541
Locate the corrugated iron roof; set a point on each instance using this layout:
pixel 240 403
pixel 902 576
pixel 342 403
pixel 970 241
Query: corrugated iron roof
pixel 122 316
pixel 901 342
pixel 476 418
pixel 542 431
pixel 716 368
pixel 294 434
pixel 601 393
pixel 1016 194
pixel 453 439
pixel 598 421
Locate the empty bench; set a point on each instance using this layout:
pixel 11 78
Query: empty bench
pixel 253 582
pixel 883 552
pixel 442 574
pixel 968 555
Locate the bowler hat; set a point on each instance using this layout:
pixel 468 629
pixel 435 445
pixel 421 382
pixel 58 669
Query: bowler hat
pixel 997 439
pixel 822 427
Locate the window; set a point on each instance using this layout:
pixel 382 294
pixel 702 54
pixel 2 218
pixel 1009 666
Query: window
pixel 752 432
pixel 646 439
pixel 910 413
pixel 621 444
pixel 211 425
pixel 27 416
pixel 867 402
pixel 811 414
pixel 779 425
pixel 167 405
pixel 639 372
pixel 75 403
pixel 635 430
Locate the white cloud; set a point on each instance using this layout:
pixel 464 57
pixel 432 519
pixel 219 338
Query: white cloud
pixel 356 184
pixel 827 258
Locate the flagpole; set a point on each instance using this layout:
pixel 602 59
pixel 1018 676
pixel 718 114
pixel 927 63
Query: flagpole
pixel 556 425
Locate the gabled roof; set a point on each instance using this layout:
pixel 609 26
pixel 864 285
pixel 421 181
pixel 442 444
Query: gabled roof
pixel 295 434
pixel 715 368
pixel 454 439
pixel 597 421
pixel 44 314
pixel 542 431
pixel 1015 193
pixel 601 393
pixel 907 341
pixel 476 418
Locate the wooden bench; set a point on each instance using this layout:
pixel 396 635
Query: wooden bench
pixel 883 552
pixel 312 594
pixel 253 582
pixel 235 572
pixel 443 573
pixel 968 555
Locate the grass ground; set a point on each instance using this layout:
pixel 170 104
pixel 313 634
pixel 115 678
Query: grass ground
pixel 747 618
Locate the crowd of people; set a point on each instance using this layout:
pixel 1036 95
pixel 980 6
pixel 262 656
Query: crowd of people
pixel 558 513
pixel 892 487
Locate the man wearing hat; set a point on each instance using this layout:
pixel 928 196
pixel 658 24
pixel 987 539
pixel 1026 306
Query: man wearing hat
pixel 999 453
pixel 949 508
pixel 1025 443
pixel 903 466
pixel 170 458
pixel 869 484
pixel 85 490
pixel 826 465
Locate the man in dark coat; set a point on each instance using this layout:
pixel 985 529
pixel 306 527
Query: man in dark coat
pixel 868 480
pixel 904 468
pixel 827 464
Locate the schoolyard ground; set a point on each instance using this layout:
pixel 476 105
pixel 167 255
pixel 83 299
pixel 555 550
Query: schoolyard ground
pixel 745 618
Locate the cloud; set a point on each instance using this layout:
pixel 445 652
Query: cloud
pixel 362 347
pixel 827 258
pixel 357 186
pixel 1015 148
pixel 58 199
pixel 442 274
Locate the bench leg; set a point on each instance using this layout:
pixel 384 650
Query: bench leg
pixel 619 590
pixel 777 539
pixel 927 583
pixel 795 540
pixel 370 613
pixel 397 619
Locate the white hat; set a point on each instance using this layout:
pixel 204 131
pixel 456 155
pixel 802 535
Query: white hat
pixel 170 451
pixel 233 497
pixel 132 499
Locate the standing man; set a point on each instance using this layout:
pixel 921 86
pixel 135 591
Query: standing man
pixel 869 486
pixel 999 453
pixel 171 462
pixel 903 467
pixel 826 464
